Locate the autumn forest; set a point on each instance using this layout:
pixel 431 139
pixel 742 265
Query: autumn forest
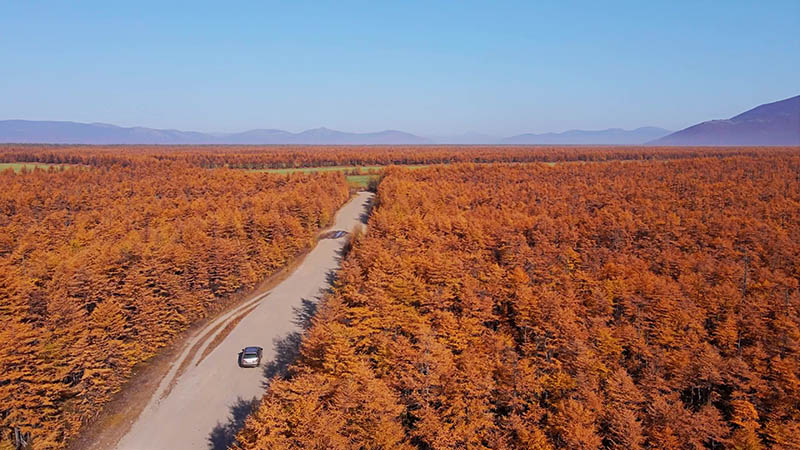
pixel 582 306
pixel 101 267
pixel 501 297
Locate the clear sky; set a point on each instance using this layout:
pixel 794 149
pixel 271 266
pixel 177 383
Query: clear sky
pixel 431 68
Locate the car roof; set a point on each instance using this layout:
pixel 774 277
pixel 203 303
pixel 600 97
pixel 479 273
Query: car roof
pixel 252 349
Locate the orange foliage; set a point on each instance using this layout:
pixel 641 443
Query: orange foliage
pixel 255 157
pixel 615 305
pixel 101 267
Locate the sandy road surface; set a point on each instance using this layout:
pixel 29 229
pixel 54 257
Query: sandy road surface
pixel 203 405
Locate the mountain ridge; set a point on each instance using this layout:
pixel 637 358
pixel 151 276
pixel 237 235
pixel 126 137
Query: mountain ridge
pixel 66 132
pixel 775 123
pixel 609 136
pixel 769 124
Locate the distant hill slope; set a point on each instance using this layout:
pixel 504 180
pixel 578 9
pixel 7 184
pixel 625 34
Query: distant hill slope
pixel 775 123
pixel 49 132
pixel 611 136
pixel 466 139
pixel 326 136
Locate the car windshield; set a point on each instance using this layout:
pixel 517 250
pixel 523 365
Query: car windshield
pixel 250 354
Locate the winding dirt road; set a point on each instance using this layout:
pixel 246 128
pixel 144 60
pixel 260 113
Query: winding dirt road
pixel 205 396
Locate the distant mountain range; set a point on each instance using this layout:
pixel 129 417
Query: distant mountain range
pixel 47 132
pixel 44 132
pixel 775 123
pixel 466 139
pixel 771 124
pixel 611 136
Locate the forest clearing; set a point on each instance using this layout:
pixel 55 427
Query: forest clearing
pixel 18 167
pixel 357 177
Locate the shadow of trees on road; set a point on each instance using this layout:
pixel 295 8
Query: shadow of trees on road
pixel 304 313
pixel 364 217
pixel 287 348
pixel 223 435
pixel 330 279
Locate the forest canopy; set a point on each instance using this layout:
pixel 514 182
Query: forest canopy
pixel 504 297
pixel 615 305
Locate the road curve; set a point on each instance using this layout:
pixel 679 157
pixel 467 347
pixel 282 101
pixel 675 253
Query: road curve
pixel 201 405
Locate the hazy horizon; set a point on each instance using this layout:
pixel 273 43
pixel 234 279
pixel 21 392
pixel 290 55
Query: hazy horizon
pixel 441 70
pixel 322 127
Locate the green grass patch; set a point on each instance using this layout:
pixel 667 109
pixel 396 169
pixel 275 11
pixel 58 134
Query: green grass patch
pixel 360 181
pixel 362 169
pixel 321 169
pixel 17 167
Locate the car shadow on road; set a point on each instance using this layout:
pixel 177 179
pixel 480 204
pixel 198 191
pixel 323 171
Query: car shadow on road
pixel 223 435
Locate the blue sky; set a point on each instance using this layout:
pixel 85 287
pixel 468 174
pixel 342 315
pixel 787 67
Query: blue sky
pixel 431 68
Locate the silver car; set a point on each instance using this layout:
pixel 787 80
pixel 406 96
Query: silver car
pixel 250 357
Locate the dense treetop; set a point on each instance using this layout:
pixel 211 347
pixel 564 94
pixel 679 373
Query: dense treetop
pixel 582 306
pixel 615 297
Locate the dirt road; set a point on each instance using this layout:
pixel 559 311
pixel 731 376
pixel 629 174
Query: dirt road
pixel 206 396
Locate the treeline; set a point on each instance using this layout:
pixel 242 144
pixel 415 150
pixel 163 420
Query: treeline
pixel 255 157
pixel 581 306
pixel 101 267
